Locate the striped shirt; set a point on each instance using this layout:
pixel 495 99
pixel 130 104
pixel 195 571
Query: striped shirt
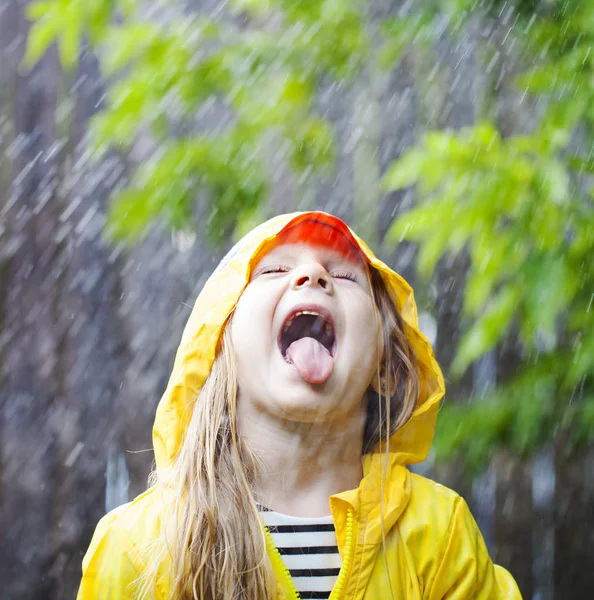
pixel 309 550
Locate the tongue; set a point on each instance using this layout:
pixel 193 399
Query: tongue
pixel 311 359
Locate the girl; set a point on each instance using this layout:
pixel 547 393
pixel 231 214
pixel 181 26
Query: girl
pixel 301 389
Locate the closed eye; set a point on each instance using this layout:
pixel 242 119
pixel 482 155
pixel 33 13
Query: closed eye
pixel 271 269
pixel 344 275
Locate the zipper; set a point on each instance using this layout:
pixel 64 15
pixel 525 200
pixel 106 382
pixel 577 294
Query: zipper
pixel 345 568
pixel 278 565
pixel 347 559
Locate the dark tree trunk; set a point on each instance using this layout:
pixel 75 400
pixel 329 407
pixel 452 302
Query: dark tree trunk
pixel 31 386
pixel 574 524
pixel 95 356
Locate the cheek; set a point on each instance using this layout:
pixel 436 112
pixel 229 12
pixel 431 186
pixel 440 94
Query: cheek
pixel 250 325
pixel 241 329
pixel 367 335
pixel 368 321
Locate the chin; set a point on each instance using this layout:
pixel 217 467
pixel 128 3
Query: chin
pixel 307 408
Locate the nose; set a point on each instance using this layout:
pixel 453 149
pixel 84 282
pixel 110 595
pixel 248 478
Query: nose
pixel 312 275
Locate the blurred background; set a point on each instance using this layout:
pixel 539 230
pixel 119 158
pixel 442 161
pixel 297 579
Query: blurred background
pixel 140 139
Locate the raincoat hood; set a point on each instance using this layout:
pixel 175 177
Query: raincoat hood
pixel 196 352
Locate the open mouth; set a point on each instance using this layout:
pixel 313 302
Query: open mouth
pixel 307 324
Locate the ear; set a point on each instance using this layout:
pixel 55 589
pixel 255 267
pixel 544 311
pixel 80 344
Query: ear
pixel 387 384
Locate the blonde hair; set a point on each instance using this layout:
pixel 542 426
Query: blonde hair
pixel 212 533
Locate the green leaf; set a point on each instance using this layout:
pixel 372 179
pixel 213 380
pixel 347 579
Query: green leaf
pixel 96 21
pixel 426 220
pixel 473 430
pixel 430 251
pixel 37 11
pixel 405 171
pixel 581 362
pixel 585 424
pixel 390 53
pixel 312 145
pixel 128 7
pixel 479 287
pixel 69 42
pixel 255 8
pixel 581 164
pixel 129 215
pixel 40 38
pixel 125 43
pixel 549 287
pixel 486 331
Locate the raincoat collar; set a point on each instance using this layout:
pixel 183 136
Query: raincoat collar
pixel 372 515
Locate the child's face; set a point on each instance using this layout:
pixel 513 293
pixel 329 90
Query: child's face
pixel 306 367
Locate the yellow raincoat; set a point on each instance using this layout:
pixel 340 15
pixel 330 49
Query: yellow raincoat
pixel 433 548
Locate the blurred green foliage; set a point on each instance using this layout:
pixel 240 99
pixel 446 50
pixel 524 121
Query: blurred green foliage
pixel 260 75
pixel 519 205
